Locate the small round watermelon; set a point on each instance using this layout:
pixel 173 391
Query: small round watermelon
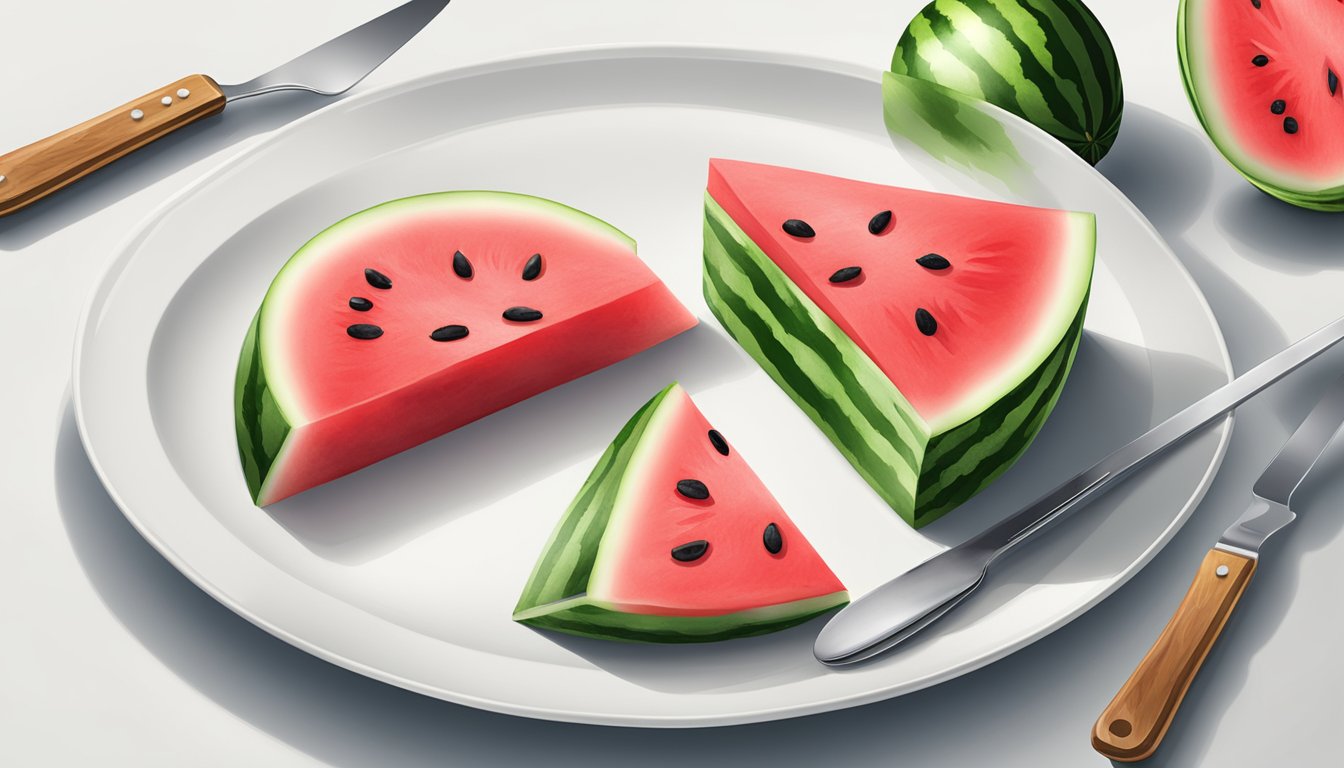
pixel 674 539
pixel 1264 79
pixel 1048 61
pixel 417 316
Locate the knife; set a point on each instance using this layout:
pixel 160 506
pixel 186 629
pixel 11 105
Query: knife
pixel 31 173
pixel 1133 724
pixel 899 609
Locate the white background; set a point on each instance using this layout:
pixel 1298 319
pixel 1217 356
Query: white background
pixel 109 657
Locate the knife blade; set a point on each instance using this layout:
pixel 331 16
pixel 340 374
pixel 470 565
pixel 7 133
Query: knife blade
pixel 1134 723
pixel 900 608
pixel 30 173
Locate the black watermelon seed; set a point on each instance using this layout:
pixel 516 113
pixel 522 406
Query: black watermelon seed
pixel 693 489
pixel 1260 60
pixel 879 222
pixel 720 444
pixel 1256 3
pixel 360 304
pixel 364 331
pixel 925 322
pixel 691 550
pixel 933 261
pixel 522 314
pixel 449 333
pixel 799 228
pixel 532 269
pixel 377 279
pixel 1290 125
pixel 461 265
pixel 1277 106
pixel 1332 80
pixel 772 539
pixel 846 274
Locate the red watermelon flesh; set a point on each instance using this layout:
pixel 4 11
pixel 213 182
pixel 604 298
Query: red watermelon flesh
pixel 737 571
pixel 990 287
pixel 343 368
pixel 1264 77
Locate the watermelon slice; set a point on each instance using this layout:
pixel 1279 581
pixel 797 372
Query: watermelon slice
pixel 927 335
pixel 417 316
pixel 674 539
pixel 1264 79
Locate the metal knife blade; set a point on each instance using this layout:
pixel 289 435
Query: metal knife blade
pixel 31 173
pixel 338 64
pixel 900 608
pixel 1284 475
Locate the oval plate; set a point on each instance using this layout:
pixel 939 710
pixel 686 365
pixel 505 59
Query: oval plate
pixel 407 571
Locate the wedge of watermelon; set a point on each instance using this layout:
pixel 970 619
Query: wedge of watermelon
pixel 927 335
pixel 417 316
pixel 674 539
pixel 1264 79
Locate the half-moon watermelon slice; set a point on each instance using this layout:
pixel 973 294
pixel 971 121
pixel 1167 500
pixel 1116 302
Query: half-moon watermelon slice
pixel 414 317
pixel 1264 79
pixel 674 539
pixel 927 335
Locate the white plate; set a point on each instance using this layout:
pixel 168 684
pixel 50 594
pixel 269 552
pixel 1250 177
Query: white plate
pixel 407 571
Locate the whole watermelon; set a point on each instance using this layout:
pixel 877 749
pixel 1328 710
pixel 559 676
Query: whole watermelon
pixel 1048 61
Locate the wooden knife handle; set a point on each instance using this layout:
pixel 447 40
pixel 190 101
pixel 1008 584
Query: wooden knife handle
pixel 35 171
pixel 1135 721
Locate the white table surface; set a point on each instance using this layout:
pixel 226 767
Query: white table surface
pixel 109 657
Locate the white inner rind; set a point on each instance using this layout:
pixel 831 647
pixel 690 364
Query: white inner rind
pixel 1073 280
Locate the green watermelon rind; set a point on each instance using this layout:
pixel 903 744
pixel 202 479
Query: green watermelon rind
pixel 590 618
pixel 563 570
pixel 1330 199
pixel 556 596
pixel 260 424
pixel 264 406
pixel 920 474
pixel 1047 61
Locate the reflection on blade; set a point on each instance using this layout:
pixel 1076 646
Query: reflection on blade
pixel 1285 474
pixel 1304 448
pixel 336 65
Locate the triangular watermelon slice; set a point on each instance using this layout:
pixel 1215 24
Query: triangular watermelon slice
pixel 927 335
pixel 417 316
pixel 674 539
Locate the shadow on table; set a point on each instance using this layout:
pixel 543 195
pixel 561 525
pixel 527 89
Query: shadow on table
pixel 1168 170
pixel 1280 236
pixel 151 164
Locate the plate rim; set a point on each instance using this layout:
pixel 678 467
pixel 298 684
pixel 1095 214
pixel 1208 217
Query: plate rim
pixel 126 249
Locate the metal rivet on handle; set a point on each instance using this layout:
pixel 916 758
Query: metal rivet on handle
pixel 166 101
pixel 183 93
pixel 137 114
pixel 1222 571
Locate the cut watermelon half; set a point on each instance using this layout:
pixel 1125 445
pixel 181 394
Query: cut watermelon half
pixel 927 335
pixel 412 318
pixel 1264 79
pixel 674 539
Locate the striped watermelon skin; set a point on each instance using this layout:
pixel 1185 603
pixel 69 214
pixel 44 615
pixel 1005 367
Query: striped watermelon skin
pixel 1048 61
pixel 569 556
pixel 588 618
pixel 922 476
